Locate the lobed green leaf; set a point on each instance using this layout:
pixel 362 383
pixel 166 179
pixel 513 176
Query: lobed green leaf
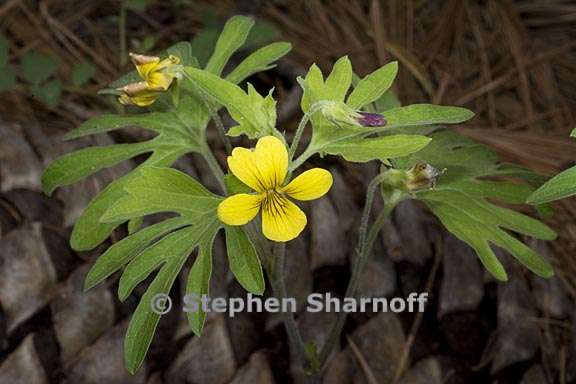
pixel 373 86
pixel 559 187
pixel 126 249
pixel 258 61
pixel 231 39
pixel 382 148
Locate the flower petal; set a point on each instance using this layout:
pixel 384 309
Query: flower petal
pixel 141 99
pixel 309 185
pixel 272 160
pixel 159 81
pixel 282 220
pixel 239 209
pixel 242 164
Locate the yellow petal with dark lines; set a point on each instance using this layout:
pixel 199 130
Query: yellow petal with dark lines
pixel 282 220
pixel 239 209
pixel 309 185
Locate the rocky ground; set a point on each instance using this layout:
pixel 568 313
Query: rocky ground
pixel 511 62
pixel 474 329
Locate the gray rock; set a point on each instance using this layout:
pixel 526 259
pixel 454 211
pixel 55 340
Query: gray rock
pixel 208 359
pixel 329 243
pixel 155 378
pixel 340 369
pixel 535 375
pixel 298 280
pixel 380 342
pixel 379 276
pixel 255 371
pixel 103 362
pixel 77 196
pixel 245 328
pixel 410 220
pixel 518 334
pixel 426 371
pixel 28 277
pixel 80 317
pixel 19 165
pixel 314 328
pixel 391 240
pixel 23 366
pixel 343 197
pixel 462 286
pixel 550 295
pixel 571 365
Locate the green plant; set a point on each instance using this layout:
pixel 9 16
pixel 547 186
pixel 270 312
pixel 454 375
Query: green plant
pixel 38 74
pixel 559 187
pixel 341 110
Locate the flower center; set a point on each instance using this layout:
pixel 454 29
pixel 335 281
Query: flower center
pixel 274 202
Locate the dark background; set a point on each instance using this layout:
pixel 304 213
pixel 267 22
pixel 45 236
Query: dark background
pixel 511 62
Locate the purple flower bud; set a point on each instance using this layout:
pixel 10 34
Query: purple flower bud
pixel 367 119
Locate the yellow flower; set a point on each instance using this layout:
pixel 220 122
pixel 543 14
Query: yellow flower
pixel 157 75
pixel 264 170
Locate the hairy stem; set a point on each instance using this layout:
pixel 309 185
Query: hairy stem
pixel 298 135
pixel 302 158
pixel 276 276
pixel 221 131
pixel 367 238
pixel 206 152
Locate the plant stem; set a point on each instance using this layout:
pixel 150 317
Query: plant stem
pixel 276 276
pixel 366 242
pixel 298 134
pixel 302 158
pixel 206 152
pixel 221 130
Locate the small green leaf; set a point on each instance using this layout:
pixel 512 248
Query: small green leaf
pixel 313 87
pixel 382 148
pixel 479 223
pixel 135 224
pixel 81 73
pixel 48 93
pixel 160 122
pixel 77 165
pixel 162 190
pixel 371 87
pixel 425 114
pixel 140 267
pixel 144 320
pixel 231 39
pixel 256 115
pixel 339 80
pixel 262 32
pixel 135 5
pixel 126 249
pixel 203 44
pixel 183 50
pixel 7 78
pixel 559 187
pixel 243 260
pixel 258 61
pixel 199 277
pixel 37 67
